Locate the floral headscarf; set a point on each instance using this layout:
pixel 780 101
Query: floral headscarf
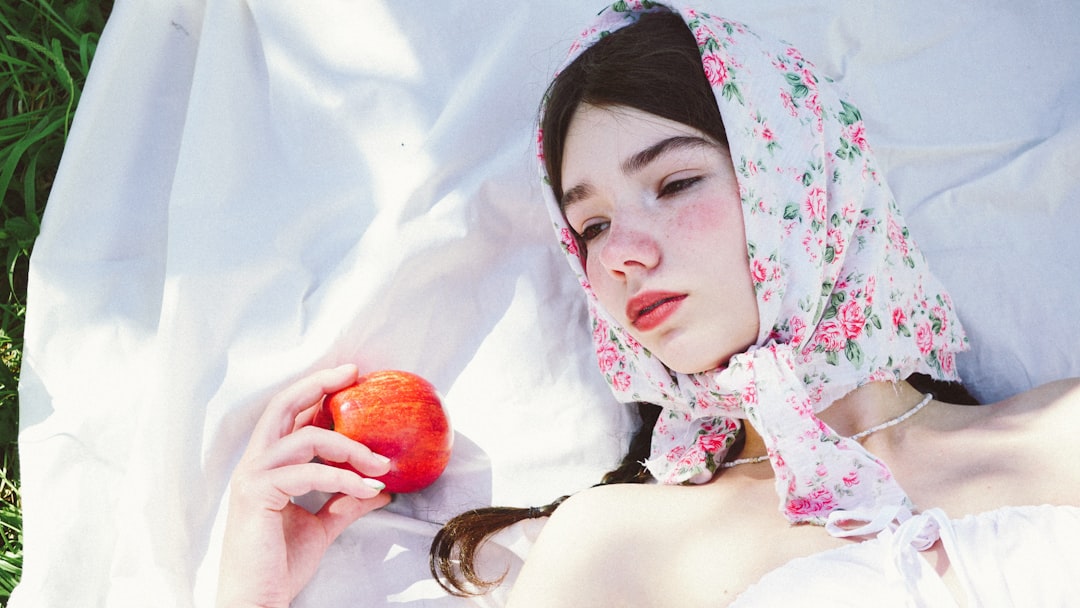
pixel 843 294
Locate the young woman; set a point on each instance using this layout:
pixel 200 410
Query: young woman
pixel 748 271
pixel 753 285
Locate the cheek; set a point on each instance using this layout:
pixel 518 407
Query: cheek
pixel 715 236
pixel 714 219
pixel 602 285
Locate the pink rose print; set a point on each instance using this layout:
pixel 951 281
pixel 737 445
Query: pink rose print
pixel 813 246
pixel 815 205
pixel 798 330
pixel 600 331
pixel 814 104
pixel 857 135
pixel 940 318
pixel 820 501
pixel 730 403
pixel 836 239
pixel 948 362
pixel 899 318
pixel 824 499
pixel 830 337
pixel 711 443
pixel 924 338
pixel 676 453
pixel 693 459
pixel 568 241
pixel 715 70
pixel 758 272
pixel 607 356
pixel 851 319
pixel 749 395
pixel 804 408
pixel 702 36
pixel 777 458
pixel 799 508
pixel 621 381
pixel 850 212
pixel 896 235
pixel 882 375
pixel 789 103
pixel 661 426
pixel 851 479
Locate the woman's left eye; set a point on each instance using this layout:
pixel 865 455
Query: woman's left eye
pixel 676 186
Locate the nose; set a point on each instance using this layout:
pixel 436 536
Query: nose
pixel 628 248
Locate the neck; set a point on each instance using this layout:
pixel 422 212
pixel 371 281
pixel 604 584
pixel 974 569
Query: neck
pixel 857 411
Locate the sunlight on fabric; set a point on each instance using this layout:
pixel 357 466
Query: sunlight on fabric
pixel 344 81
pixel 420 590
pixel 368 40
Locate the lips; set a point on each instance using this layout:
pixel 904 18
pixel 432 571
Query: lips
pixel 648 310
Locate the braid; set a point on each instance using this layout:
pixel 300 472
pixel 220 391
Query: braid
pixel 453 551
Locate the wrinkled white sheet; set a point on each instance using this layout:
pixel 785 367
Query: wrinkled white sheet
pixel 253 190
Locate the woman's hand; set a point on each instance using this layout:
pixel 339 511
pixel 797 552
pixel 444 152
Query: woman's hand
pixel 272 546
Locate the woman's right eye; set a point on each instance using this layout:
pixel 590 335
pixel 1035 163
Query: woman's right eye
pixel 593 230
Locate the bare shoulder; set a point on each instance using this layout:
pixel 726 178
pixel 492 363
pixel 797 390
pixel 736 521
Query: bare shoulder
pixel 1048 404
pixel 592 519
pixel 585 551
pixel 609 546
pixel 1040 426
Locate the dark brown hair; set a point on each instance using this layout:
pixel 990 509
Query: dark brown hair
pixel 654 66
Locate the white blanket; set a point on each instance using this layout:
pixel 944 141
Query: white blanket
pixel 254 190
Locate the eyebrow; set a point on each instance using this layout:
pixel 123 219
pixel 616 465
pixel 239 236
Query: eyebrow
pixel 639 161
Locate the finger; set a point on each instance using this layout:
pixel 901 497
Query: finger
pixel 306 416
pixel 310 442
pixel 276 488
pixel 280 416
pixel 342 510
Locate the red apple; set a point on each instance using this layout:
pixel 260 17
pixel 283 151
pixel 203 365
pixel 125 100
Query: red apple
pixel 399 415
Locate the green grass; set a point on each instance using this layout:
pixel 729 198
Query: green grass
pixel 45 53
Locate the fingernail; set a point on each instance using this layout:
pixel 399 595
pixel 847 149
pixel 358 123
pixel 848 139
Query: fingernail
pixel 381 458
pixel 374 484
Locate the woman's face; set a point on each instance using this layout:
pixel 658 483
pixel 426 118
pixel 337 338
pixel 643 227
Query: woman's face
pixel 657 207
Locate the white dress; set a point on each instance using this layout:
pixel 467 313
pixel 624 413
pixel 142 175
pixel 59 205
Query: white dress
pixel 1012 556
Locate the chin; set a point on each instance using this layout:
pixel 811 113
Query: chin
pixel 690 360
pixel 685 352
pixel 691 365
